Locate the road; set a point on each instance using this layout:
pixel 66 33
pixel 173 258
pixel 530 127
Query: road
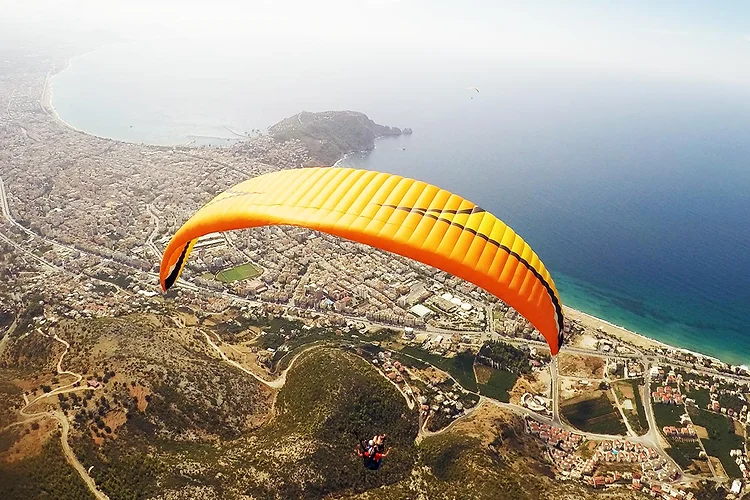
pixel 630 430
pixel 555 389
pixel 652 438
pixel 4 201
pixel 155 221
pixel 6 214
pixel 423 432
pixel 272 384
pixel 653 428
pixel 73 460
pixel 58 415
pixel 277 383
pixel 11 329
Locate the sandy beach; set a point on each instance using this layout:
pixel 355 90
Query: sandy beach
pixel 624 334
pixel 631 337
pixel 46 99
pixel 49 108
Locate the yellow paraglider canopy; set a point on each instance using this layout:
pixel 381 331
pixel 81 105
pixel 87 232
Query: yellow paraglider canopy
pixel 397 214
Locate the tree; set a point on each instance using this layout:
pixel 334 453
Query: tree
pixel 506 356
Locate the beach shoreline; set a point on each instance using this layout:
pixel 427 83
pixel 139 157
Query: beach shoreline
pixel 629 336
pixel 46 100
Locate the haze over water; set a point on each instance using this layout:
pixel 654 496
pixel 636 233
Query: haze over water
pixel 634 192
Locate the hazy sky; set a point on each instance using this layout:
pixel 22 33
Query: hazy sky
pixel 675 39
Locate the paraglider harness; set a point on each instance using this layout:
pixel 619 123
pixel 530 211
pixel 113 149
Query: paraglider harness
pixel 369 458
pixel 368 454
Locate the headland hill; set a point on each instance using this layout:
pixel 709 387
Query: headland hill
pixel 139 383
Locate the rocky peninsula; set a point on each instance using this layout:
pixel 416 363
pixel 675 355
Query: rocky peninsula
pixel 330 135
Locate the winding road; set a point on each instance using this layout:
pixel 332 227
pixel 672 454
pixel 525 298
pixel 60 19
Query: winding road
pixel 555 389
pixel 651 438
pixel 155 221
pixel 277 383
pixel 62 419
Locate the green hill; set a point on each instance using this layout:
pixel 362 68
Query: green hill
pixel 330 396
pixel 186 425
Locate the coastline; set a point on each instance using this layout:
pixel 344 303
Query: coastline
pixel 46 100
pixel 629 336
pixel 347 155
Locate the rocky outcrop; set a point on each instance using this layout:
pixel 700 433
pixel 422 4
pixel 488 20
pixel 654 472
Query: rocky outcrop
pixel 330 135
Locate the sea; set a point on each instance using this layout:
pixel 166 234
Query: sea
pixel 634 190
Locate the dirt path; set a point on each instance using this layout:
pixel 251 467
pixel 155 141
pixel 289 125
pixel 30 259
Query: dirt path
pixel 277 383
pixel 73 460
pixel 58 415
pixel 625 420
pixel 4 340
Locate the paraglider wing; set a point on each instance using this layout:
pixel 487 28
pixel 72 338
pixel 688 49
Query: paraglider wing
pixel 397 214
pixel 473 88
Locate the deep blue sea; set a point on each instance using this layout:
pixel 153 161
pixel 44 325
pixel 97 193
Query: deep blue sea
pixel 635 192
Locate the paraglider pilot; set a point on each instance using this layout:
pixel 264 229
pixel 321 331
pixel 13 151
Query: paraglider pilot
pixel 372 452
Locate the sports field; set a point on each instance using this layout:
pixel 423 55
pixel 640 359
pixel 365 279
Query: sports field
pixel 241 272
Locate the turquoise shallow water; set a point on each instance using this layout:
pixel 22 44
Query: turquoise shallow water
pixel 635 193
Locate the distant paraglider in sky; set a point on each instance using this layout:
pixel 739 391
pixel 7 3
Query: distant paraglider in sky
pixel 393 213
pixel 473 90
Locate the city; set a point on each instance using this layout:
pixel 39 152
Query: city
pixel 85 221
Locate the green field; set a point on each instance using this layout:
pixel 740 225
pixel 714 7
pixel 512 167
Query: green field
pixel 461 366
pixel 595 415
pixel 701 397
pixel 637 416
pixel 721 438
pixel 241 272
pixel 684 453
pixel 729 401
pixel 668 415
pixel 640 410
pixel 499 385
